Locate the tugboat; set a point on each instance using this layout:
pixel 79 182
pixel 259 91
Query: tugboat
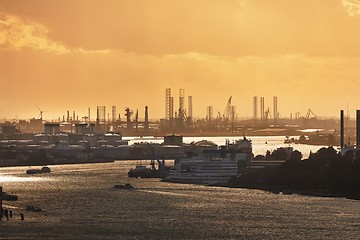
pixel 127 186
pixel 289 140
pixel 33 208
pixel 142 171
pixel 38 171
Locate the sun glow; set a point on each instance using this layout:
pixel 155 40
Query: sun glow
pixel 72 55
pixel 352 7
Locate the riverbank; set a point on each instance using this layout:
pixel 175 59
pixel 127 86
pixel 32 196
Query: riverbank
pixel 324 173
pixel 285 191
pixel 268 132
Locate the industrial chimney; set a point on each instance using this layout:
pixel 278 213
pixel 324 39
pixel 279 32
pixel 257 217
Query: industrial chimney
pixel 357 128
pixel 146 123
pixel 341 129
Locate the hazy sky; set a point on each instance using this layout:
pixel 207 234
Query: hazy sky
pixel 75 54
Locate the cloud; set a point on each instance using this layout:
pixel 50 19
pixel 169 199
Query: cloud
pixel 84 51
pixel 228 27
pixel 17 34
pixel 352 7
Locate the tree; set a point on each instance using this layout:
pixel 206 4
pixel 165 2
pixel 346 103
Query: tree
pixel 296 156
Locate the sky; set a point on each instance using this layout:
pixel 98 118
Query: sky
pixel 74 54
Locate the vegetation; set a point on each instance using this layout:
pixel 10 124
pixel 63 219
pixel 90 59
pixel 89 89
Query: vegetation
pixel 324 171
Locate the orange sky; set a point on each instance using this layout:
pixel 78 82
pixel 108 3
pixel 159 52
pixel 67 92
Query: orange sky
pixel 75 54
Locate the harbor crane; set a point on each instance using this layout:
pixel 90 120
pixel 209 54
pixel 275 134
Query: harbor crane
pixel 307 118
pixel 267 114
pixel 308 114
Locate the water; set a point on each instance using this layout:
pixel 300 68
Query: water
pixel 260 143
pixel 78 202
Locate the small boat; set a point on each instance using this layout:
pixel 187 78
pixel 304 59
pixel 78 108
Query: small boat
pixel 38 171
pixel 289 140
pixel 124 186
pixel 33 208
pixel 287 192
pixel 9 197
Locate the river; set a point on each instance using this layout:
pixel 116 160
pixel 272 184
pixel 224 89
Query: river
pixel 260 143
pixel 79 202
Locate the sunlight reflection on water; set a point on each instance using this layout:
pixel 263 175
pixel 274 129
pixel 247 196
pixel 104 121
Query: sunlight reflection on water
pixel 79 202
pixel 22 179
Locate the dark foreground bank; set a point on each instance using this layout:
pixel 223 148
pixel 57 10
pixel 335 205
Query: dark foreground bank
pixel 324 173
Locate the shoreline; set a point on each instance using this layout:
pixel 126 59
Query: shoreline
pixel 287 191
pixel 276 190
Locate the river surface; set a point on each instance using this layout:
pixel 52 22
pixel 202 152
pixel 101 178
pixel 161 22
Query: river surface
pixel 260 143
pixel 79 202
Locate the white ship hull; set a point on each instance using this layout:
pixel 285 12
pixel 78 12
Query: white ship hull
pixel 211 167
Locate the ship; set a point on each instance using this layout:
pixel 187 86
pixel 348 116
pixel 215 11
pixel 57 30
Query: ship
pixel 38 171
pixel 141 171
pixel 213 167
pixel 9 197
pixel 317 138
pixel 127 186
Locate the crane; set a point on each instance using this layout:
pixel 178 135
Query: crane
pixel 267 113
pixel 307 118
pixel 308 114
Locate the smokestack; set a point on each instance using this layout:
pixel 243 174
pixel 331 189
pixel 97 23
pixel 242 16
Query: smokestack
pixel 1 206
pixel 209 115
pixel 113 114
pixel 190 108
pixel 341 129
pixel 89 114
pixel 146 123
pixel 137 119
pixel 255 108
pixel 357 128
pixel 181 103
pixel 275 109
pixel 68 116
